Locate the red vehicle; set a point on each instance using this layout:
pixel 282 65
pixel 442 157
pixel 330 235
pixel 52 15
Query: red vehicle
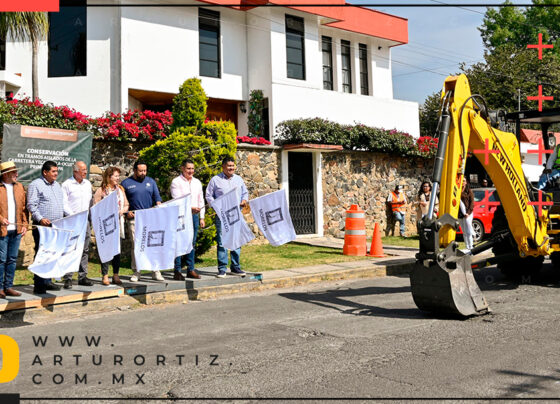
pixel 483 212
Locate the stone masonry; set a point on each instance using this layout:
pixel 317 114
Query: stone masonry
pixel 366 179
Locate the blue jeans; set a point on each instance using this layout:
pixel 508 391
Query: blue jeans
pixel 545 177
pixel 9 247
pixel 399 217
pixel 223 252
pixel 189 258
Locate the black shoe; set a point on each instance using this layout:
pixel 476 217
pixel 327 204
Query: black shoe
pixel 39 291
pixel 85 282
pixel 52 286
pixel 68 284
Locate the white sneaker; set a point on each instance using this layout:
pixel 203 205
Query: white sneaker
pixel 156 275
pixel 135 277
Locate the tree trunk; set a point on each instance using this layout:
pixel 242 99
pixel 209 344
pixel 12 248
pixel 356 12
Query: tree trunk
pixel 34 74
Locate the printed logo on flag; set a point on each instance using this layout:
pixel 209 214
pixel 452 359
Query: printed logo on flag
pixel 232 215
pixel 156 238
pixel 110 224
pixel 274 216
pixel 71 246
pixel 181 223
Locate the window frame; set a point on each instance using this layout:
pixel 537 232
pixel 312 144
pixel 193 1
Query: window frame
pixel 51 65
pixel 344 44
pixel 301 35
pixel 364 63
pixel 209 15
pixel 327 40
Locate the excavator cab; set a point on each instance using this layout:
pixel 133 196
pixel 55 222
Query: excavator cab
pixel 442 280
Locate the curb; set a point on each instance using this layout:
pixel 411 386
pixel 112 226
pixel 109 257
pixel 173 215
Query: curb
pixel 131 302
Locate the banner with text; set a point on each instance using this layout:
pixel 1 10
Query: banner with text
pixel 235 231
pixel 30 146
pixel 272 215
pixel 72 255
pixel 185 229
pixel 154 237
pixel 52 244
pixel 106 226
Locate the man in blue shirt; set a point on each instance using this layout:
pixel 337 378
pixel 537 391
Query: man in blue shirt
pixel 45 203
pixel 219 185
pixel 142 193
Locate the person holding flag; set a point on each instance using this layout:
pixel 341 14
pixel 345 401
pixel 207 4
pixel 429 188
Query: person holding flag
pixel 77 196
pixel 219 185
pixel 142 193
pixel 110 184
pixel 185 184
pixel 45 203
pixel 13 226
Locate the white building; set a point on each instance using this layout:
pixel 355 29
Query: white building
pixel 328 62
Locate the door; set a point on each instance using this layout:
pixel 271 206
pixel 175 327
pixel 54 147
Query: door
pixel 301 192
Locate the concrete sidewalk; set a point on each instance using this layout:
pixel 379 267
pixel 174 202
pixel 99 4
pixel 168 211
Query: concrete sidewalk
pixel 100 298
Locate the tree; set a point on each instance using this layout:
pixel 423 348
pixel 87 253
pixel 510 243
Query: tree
pixel 189 106
pixel 33 26
pixel 507 69
pixel 520 26
pixel 429 114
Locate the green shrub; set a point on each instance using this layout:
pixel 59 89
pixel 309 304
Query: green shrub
pixel 189 106
pixel 207 147
pixel 254 119
pixel 352 137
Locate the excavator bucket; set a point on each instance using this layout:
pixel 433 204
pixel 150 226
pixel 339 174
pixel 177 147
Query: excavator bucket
pixel 447 291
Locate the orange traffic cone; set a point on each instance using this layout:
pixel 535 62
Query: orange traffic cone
pixel 376 249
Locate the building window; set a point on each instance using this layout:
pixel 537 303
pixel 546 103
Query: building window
pixel 209 42
pixel 68 40
pixel 295 51
pixel 364 84
pixel 327 62
pixel 346 66
pixel 2 54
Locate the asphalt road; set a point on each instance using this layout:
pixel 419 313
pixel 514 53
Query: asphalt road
pixel 360 338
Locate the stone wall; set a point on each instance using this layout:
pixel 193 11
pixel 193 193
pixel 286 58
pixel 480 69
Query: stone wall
pixel 260 168
pixel 366 179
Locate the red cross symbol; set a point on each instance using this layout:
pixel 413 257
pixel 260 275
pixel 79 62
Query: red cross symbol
pixel 486 151
pixel 541 203
pixel 540 46
pixel 541 150
pixel 540 98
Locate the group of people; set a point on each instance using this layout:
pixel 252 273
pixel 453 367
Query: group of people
pixel 398 202
pixel 47 201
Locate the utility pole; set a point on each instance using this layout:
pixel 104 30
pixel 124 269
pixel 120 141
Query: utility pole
pixel 518 99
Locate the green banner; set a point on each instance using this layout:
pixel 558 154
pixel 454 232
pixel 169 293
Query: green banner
pixel 30 146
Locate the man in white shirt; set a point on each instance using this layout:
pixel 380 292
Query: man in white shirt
pixel 77 196
pixel 183 185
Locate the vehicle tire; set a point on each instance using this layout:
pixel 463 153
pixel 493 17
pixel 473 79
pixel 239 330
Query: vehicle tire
pixel 516 267
pixel 555 258
pixel 478 230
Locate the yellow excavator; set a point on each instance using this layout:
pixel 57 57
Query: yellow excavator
pixel 442 280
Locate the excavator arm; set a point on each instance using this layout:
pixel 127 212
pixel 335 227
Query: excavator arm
pixel 442 279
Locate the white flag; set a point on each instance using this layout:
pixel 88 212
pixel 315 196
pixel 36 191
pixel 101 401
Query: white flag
pixel 235 231
pixel 154 238
pixel 272 215
pixel 185 230
pixel 76 223
pixel 52 244
pixel 106 225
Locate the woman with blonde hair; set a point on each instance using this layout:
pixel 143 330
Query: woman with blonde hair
pixel 110 184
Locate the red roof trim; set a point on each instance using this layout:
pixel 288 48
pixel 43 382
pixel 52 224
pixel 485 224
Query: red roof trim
pixel 356 19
